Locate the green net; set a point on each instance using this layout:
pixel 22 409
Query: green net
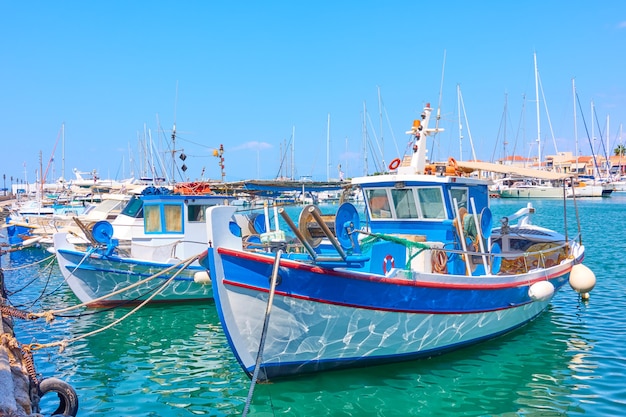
pixel 415 248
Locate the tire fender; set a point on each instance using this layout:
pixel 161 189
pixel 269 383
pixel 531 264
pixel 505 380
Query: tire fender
pixel 68 400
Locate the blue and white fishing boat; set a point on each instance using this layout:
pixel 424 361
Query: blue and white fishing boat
pixel 173 231
pixel 426 274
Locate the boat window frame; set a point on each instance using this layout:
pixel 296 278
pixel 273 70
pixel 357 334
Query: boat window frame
pixel 442 201
pixel 395 205
pixel 164 218
pixel 467 197
pixel 199 216
pixel 378 211
pixel 388 204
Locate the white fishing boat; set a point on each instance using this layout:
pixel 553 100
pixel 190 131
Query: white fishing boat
pixel 173 230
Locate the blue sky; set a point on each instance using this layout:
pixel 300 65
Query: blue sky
pixel 248 74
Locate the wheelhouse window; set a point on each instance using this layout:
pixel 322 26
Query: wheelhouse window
pixel 404 203
pixel 416 203
pixel 166 218
pixel 133 208
pixel 379 203
pixel 431 203
pixel 195 213
pixel 460 194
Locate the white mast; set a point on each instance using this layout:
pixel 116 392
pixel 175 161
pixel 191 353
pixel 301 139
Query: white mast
pixel 608 155
pixel 575 125
pixel 458 101
pixel 293 152
pixel 538 121
pixel 328 149
pixel 63 151
pixel 380 114
pixel 593 140
pixel 365 168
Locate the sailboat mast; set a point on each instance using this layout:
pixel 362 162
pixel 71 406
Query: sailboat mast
pixel 63 151
pixel 608 138
pixel 458 101
pixel 506 111
pixel 575 125
pixel 293 152
pixel 328 149
pixel 538 121
pixel 380 116
pixel 364 140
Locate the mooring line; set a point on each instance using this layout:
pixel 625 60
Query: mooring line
pixel 186 263
pixel 259 357
pixel 63 343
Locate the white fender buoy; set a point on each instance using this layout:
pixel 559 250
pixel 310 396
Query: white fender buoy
pixel 201 277
pixel 541 291
pixel 582 279
pixel 29 242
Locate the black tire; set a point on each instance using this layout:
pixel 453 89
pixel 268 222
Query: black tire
pixel 68 400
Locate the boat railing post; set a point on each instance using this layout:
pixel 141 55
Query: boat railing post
pixel 480 236
pixel 462 235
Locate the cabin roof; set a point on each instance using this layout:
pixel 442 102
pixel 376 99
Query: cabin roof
pixel 514 170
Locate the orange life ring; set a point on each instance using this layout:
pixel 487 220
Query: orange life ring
pixel 452 162
pixel 388 259
pixel 394 164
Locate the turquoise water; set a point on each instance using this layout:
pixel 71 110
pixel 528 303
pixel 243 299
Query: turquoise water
pixel 175 361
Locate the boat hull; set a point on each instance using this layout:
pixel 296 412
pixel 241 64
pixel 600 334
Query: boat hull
pixel 91 276
pixel 532 192
pixel 330 318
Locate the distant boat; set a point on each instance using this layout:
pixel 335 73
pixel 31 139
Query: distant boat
pixel 173 230
pixel 427 273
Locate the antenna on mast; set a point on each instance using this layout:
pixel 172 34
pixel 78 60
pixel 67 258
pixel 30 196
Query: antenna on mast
pixel 443 67
pixel 174 150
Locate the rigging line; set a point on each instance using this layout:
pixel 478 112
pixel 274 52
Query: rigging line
pixel 284 155
pixel 393 136
pixel 593 154
pixel 545 105
pixel 376 162
pixel 600 133
pixel 520 126
pixel 469 133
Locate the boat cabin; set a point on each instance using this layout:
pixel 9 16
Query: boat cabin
pixel 421 210
pixel 421 207
pixel 174 223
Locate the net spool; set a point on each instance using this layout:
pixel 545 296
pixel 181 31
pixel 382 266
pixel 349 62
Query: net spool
pixel 340 225
pixel 102 231
pixel 346 220
pixel 309 227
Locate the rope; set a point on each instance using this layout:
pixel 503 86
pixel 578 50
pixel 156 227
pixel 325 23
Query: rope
pixel 29 265
pixel 259 357
pixel 63 343
pixel 51 313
